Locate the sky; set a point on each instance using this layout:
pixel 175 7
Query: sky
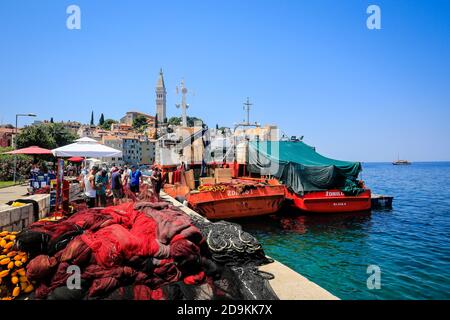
pixel 312 67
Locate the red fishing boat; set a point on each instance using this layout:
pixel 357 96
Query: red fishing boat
pixel 331 201
pixel 306 173
pixel 236 200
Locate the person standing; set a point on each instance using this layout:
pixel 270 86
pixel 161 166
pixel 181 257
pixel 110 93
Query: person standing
pixel 89 187
pixel 101 180
pixel 126 176
pixel 156 179
pixel 116 186
pixel 135 179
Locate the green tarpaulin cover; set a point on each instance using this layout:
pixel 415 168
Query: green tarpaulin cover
pixel 301 168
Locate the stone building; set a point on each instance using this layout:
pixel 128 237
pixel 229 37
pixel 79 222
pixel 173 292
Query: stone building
pixel 116 143
pixel 6 137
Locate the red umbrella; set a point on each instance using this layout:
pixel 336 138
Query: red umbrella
pixel 75 159
pixel 30 150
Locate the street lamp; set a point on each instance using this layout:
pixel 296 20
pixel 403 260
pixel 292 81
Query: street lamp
pixel 15 139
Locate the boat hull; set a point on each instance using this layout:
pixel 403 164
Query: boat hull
pixel 231 204
pixel 331 201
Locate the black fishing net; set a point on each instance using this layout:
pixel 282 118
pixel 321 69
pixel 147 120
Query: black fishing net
pixel 46 237
pixel 254 283
pixel 230 245
pixel 238 254
pixel 234 283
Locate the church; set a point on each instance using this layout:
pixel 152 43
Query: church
pixel 161 94
pixel 160 113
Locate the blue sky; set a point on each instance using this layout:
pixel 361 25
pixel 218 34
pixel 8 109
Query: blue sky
pixel 311 67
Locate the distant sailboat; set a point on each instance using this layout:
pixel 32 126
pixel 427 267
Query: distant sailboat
pixel 399 162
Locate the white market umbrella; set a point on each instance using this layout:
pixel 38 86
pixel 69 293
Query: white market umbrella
pixel 86 147
pixel 86 140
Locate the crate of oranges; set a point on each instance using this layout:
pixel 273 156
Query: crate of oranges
pixel 13 279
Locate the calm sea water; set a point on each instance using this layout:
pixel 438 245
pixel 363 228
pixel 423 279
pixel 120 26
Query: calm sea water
pixel 410 243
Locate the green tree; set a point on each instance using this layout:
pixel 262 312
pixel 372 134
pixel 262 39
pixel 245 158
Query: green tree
pixel 51 120
pixel 38 135
pixel 175 121
pixel 47 136
pixel 7 165
pixel 101 121
pixel 190 121
pixel 140 123
pixel 92 118
pixel 107 124
pixel 60 134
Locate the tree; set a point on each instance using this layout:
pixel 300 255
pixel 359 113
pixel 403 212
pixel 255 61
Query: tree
pixel 217 126
pixel 47 136
pixel 60 134
pixel 107 124
pixel 92 118
pixel 7 165
pixel 101 120
pixel 190 121
pixel 140 123
pixel 176 121
pixel 38 135
pixel 51 120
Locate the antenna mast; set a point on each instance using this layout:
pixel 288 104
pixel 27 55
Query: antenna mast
pixel 184 105
pixel 247 106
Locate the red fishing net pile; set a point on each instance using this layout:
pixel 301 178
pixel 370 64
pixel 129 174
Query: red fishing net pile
pixel 130 251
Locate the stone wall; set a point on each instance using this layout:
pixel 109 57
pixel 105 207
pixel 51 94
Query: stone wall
pixel 17 218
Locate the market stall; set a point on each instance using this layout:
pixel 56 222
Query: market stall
pixel 38 179
pixel 84 147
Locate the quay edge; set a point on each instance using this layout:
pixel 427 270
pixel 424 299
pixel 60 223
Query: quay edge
pixel 287 284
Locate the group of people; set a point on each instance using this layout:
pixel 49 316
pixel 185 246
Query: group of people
pixel 72 170
pixel 96 182
pixel 41 168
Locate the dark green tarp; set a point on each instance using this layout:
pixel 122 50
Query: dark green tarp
pixel 301 168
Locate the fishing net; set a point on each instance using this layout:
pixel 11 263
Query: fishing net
pixel 240 254
pixel 144 251
pixel 229 244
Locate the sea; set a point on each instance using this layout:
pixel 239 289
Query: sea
pixel 402 253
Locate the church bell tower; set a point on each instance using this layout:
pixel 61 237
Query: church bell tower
pixel 161 98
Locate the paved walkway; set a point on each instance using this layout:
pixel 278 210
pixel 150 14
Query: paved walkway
pixel 12 193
